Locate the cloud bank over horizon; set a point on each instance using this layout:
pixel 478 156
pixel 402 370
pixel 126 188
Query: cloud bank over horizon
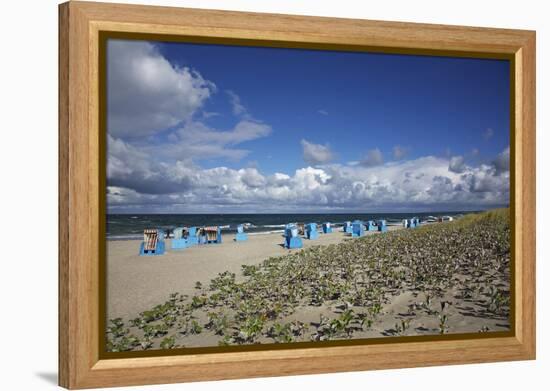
pixel 168 153
pixel 424 183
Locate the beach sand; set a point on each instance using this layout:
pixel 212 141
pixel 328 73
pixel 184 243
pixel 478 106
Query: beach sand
pixel 447 278
pixel 136 283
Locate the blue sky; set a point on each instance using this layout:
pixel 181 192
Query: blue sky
pixel 193 123
pixel 431 104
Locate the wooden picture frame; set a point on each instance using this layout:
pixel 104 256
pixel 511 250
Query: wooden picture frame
pixel 81 364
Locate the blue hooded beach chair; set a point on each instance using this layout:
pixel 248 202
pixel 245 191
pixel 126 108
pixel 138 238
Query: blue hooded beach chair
pixel 370 226
pixel 347 227
pixel 311 231
pixel 180 241
pixel 192 236
pixel 291 237
pixel 327 228
pixel 241 236
pixel 357 229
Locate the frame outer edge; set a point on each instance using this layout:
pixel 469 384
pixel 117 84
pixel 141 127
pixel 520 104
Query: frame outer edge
pixel 76 360
pixel 83 329
pixel 529 194
pixel 64 367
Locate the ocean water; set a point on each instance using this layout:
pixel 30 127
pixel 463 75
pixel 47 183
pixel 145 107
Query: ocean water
pixel 127 226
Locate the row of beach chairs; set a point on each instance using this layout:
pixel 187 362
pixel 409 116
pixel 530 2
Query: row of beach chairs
pixel 184 237
pixel 411 223
pixel 356 229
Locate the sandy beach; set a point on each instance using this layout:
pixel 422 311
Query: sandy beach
pixel 436 279
pixel 136 283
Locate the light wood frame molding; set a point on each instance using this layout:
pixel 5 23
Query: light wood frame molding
pixel 80 364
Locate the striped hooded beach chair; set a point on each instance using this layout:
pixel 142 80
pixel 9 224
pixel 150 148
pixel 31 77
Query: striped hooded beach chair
pixel 153 242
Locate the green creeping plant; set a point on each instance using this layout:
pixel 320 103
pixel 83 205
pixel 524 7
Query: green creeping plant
pixel 116 328
pixel 198 301
pixel 168 343
pixel 281 333
pixel 146 343
pixel 251 328
pixel 227 340
pixel 195 327
pixel 138 322
pixel 218 322
pixel 249 270
pixel 123 344
pixel 498 301
pixel 156 330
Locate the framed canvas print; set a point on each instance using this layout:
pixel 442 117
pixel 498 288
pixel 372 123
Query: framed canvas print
pixel 249 195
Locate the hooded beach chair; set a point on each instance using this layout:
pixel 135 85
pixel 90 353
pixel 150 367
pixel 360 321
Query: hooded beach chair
pixel 241 236
pixel 412 223
pixel 381 225
pixel 180 238
pixel 201 235
pixel 347 227
pixel 327 228
pixel 311 231
pixel 192 236
pixel 213 234
pixel 357 229
pixel 153 242
pixel 370 226
pixel 291 237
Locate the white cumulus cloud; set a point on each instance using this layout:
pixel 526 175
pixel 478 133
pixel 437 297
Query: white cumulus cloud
pixel 316 153
pixel 146 93
pixel 457 164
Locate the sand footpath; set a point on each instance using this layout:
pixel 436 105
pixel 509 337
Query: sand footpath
pixel 136 283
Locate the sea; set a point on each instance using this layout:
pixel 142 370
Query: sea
pixel 131 226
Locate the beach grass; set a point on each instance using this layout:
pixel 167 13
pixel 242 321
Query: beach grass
pixel 436 279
